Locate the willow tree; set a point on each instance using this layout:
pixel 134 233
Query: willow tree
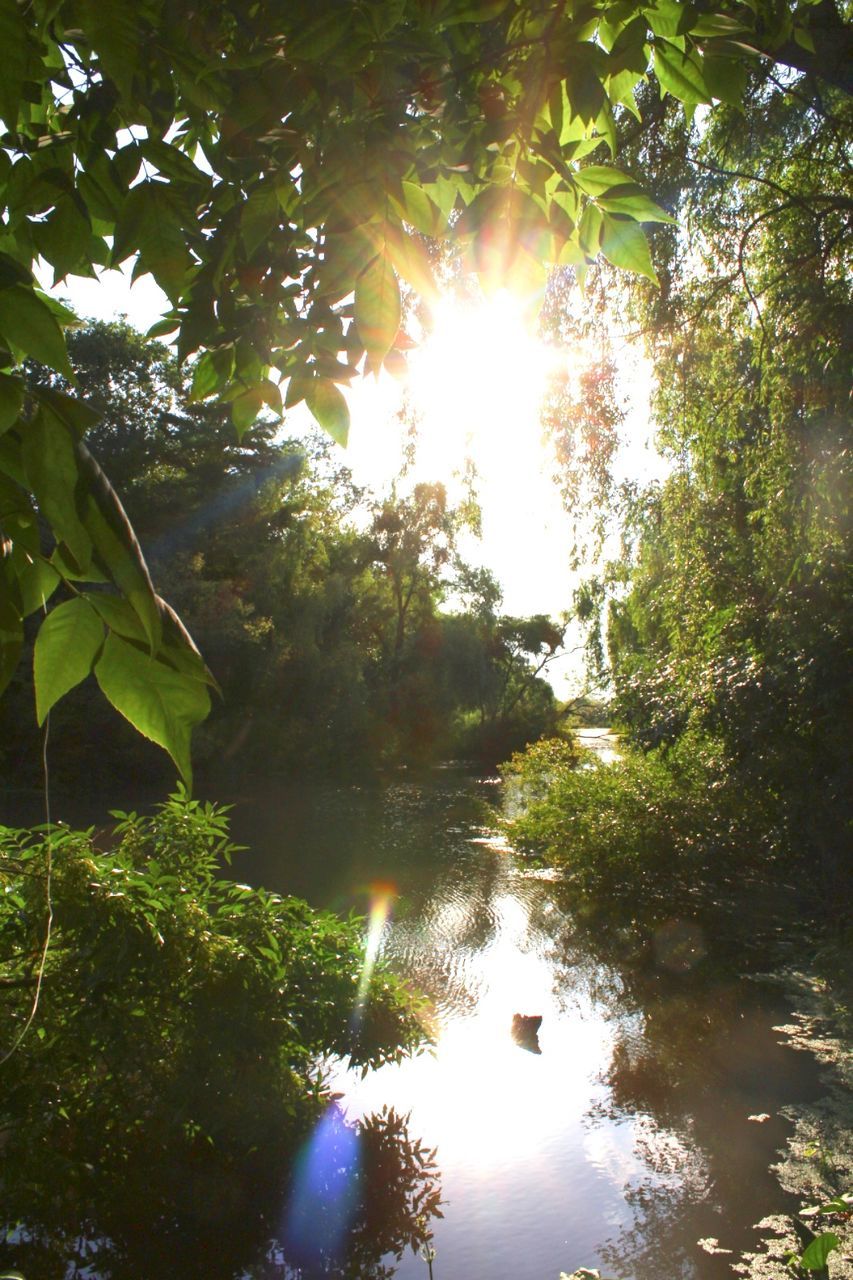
pixel 275 167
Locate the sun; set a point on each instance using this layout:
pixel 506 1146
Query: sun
pixel 477 383
pixel 473 395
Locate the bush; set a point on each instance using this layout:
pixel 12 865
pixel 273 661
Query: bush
pixel 653 829
pixel 171 1068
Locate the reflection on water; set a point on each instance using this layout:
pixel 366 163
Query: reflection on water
pixel 627 1139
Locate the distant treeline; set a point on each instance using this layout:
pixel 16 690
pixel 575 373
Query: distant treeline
pixel 317 606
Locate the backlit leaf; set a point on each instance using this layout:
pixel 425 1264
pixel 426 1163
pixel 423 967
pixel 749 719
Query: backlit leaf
pixel 54 476
pixel 377 306
pixel 29 325
pixel 327 403
pixel 596 179
pixel 66 647
pixel 680 74
pixel 160 702
pixel 625 245
pixel 117 547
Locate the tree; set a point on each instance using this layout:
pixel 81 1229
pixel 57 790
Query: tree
pixel 273 168
pixel 729 615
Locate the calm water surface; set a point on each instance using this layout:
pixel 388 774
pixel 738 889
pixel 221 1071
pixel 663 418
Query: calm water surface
pixel 628 1138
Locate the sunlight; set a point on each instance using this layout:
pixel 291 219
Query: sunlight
pixel 477 384
pixel 475 388
pixel 486 1102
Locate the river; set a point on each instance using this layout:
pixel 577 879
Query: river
pixel 648 1119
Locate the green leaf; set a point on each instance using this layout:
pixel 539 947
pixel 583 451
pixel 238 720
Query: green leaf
pixel 671 17
pixel 66 646
pixel 13 42
pixel 151 225
pixel 421 212
pixel 589 230
pixel 327 403
pixel 814 1257
pixel 259 216
pixel 29 325
pixel 160 702
pixel 64 239
pixel 474 11
pixel 595 179
pixel 584 89
pixel 245 408
pixel 114 32
pixel 53 473
pixel 726 79
pixel 625 245
pixel 377 307
pixel 680 74
pixel 211 372
pixel 37 579
pixel 118 614
pixel 11 400
pixel 77 415
pixel 637 206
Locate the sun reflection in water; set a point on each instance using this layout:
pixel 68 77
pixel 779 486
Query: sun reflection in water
pixel 485 1102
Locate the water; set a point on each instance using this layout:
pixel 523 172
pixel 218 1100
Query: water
pixel 628 1138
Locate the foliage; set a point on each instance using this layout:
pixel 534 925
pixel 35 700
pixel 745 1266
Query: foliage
pixel 648 833
pixel 318 607
pixel 728 614
pixel 274 169
pixel 171 1067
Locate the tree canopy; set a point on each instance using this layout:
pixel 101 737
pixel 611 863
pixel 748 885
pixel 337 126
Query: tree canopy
pixel 275 168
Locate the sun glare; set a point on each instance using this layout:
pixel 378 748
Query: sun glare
pixel 477 384
pixel 475 389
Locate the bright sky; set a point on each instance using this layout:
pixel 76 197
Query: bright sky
pixel 476 382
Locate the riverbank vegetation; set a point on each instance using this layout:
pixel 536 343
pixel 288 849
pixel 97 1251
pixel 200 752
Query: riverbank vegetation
pixel 166 1032
pixel 724 621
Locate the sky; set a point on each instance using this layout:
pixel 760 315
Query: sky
pixel 477 382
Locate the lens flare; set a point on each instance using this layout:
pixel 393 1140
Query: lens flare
pixel 324 1194
pixel 382 898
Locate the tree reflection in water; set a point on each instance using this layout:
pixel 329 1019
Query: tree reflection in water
pixel 160 1212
